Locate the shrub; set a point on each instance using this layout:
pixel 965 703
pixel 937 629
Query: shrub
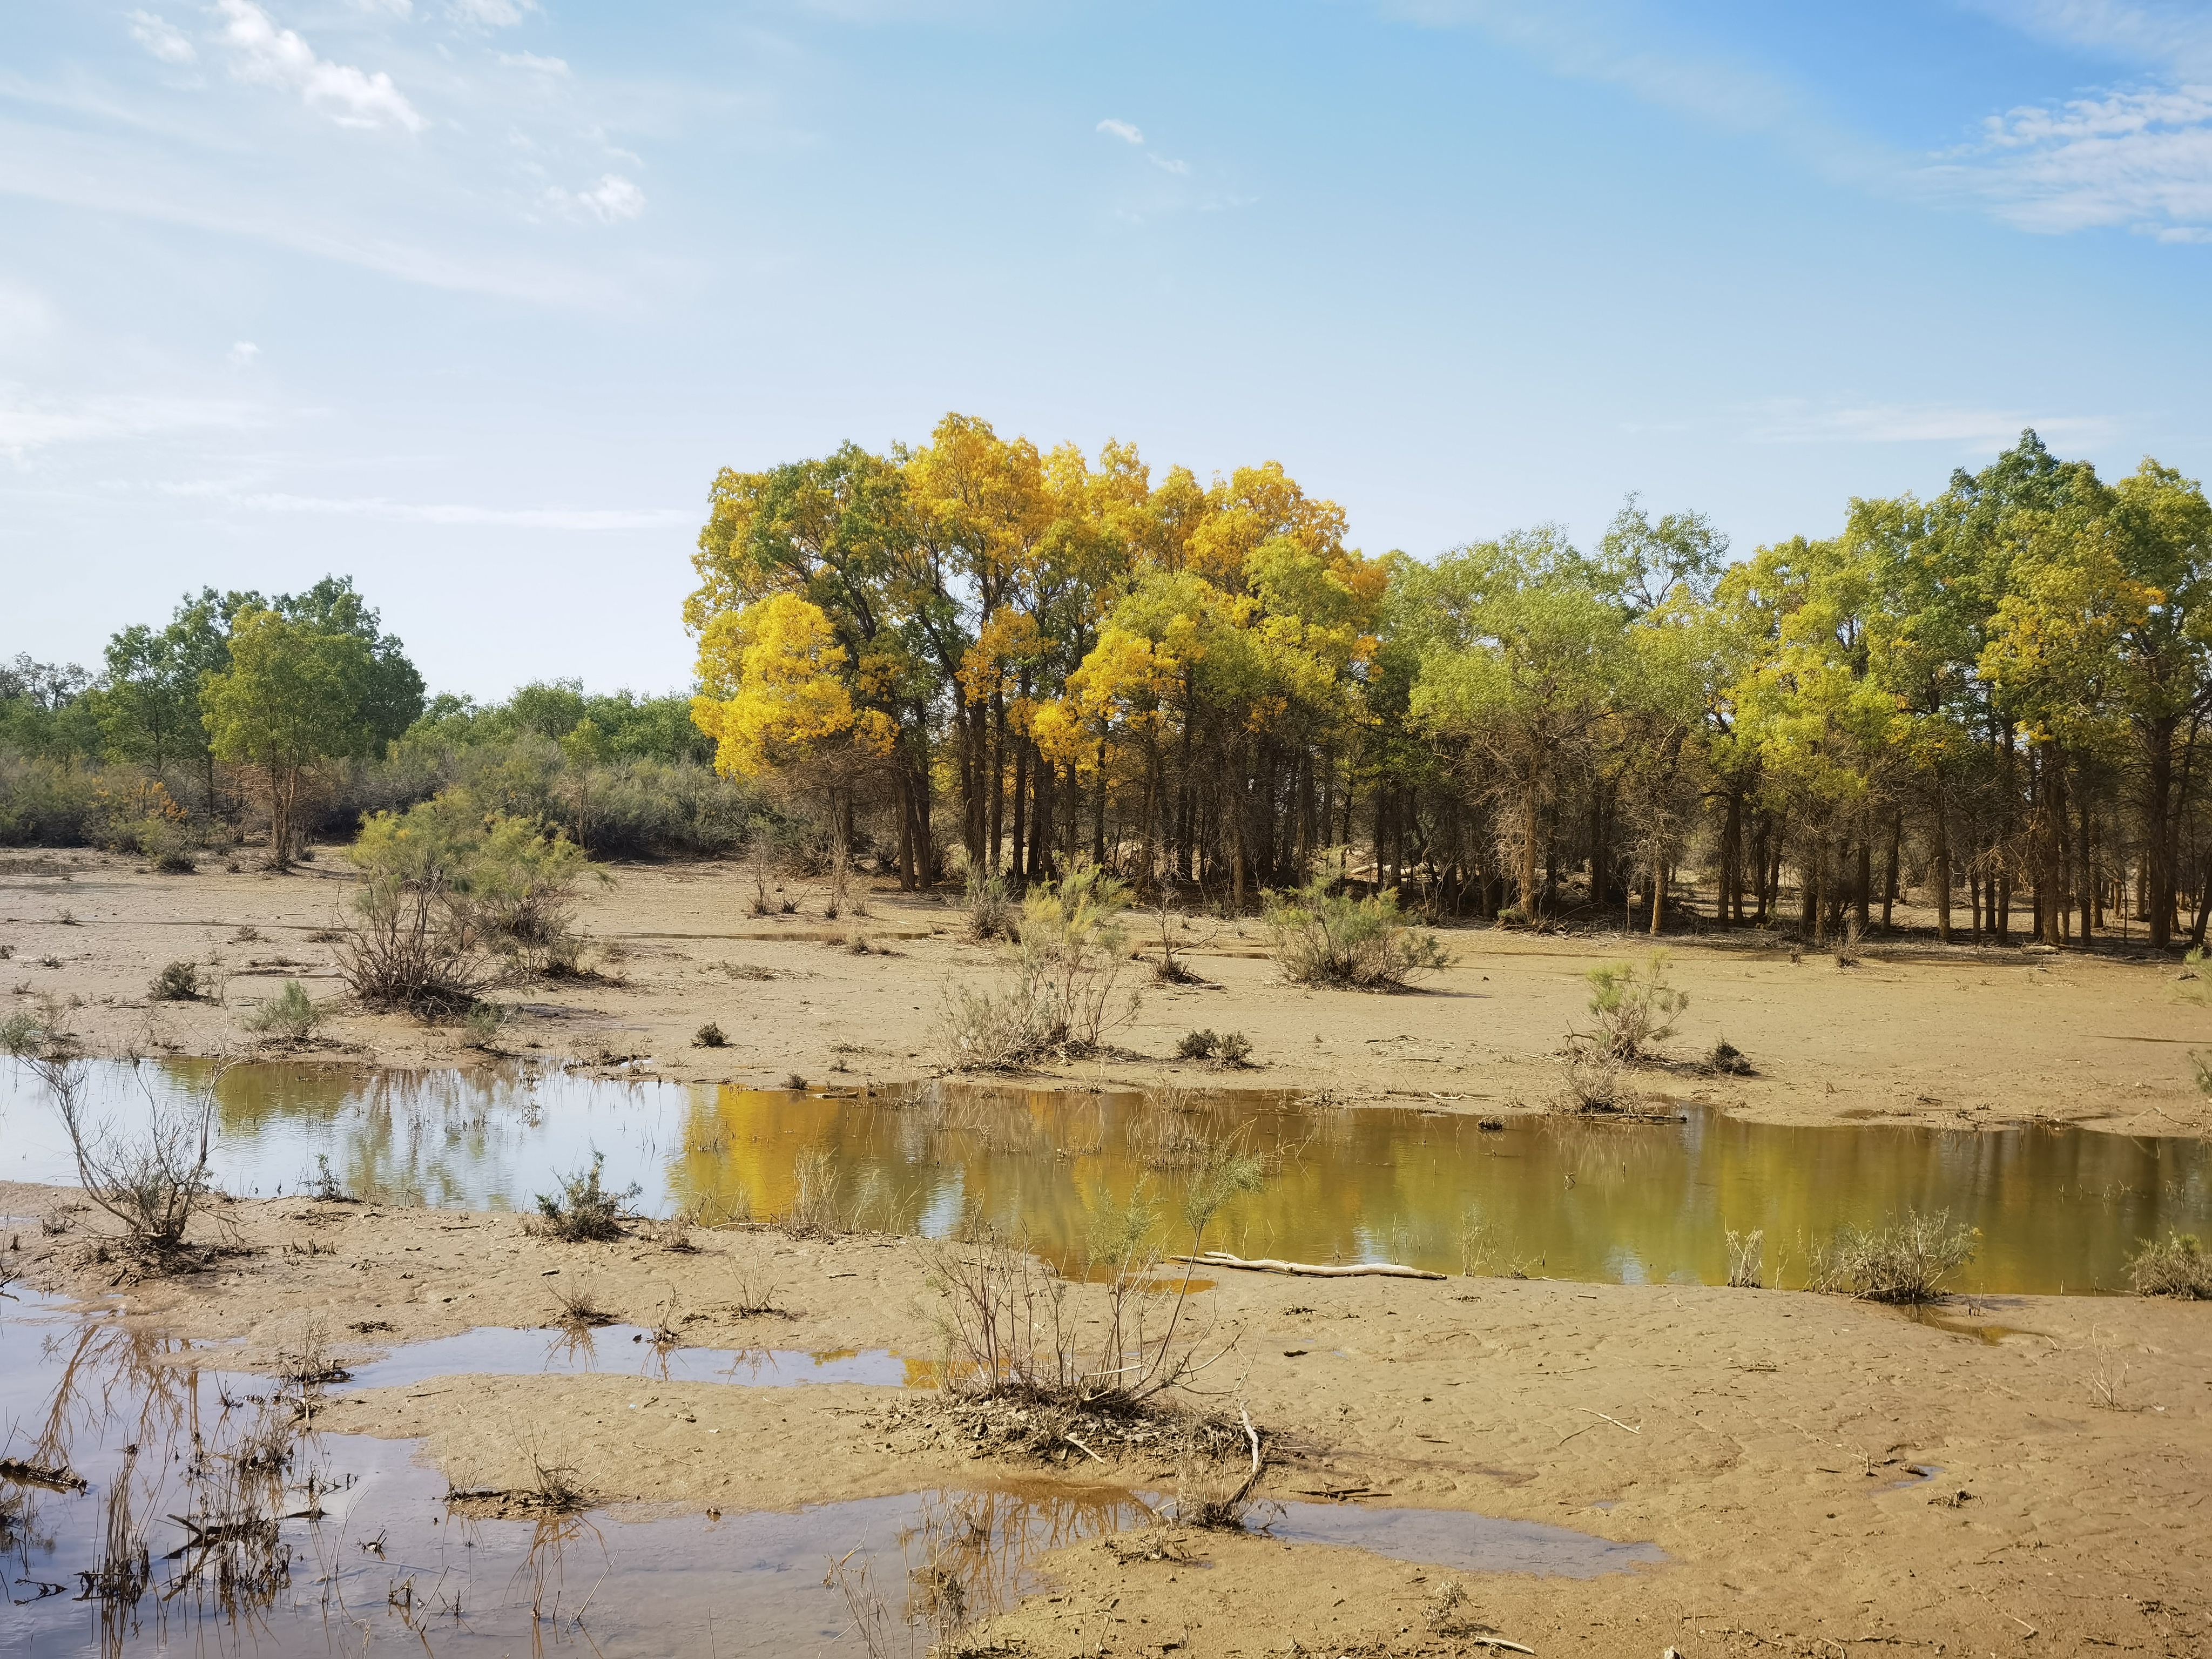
pixel 709 1035
pixel 1594 1076
pixel 1326 937
pixel 991 914
pixel 1198 1045
pixel 1063 993
pixel 1634 1006
pixel 289 1014
pixel 1905 1261
pixel 152 1182
pixel 2177 1266
pixel 480 1029
pixel 583 1211
pixel 177 982
pixel 1728 1060
pixel 1746 1259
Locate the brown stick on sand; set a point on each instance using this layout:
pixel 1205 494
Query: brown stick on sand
pixel 1309 1269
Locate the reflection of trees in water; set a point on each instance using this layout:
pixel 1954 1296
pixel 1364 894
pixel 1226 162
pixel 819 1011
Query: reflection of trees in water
pixel 973 1555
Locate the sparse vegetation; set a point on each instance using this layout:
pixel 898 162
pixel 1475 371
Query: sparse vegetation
pixel 709 1035
pixel 1230 1048
pixel 1634 1006
pixel 154 1179
pixel 289 1015
pixel 1595 1076
pixel 1062 994
pixel 577 1301
pixel 177 982
pixel 583 1211
pixel 1746 1259
pixel 1324 936
pixel 2176 1266
pixel 1726 1059
pixel 1904 1262
pixel 992 913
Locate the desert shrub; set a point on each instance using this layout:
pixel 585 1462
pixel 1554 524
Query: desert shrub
pixel 21 1032
pixel 1595 1077
pixel 991 914
pixel 1322 937
pixel 177 982
pixel 1198 1045
pixel 449 888
pixel 153 1180
pixel 1728 1060
pixel 709 1035
pixel 2177 1266
pixel 1063 993
pixel 480 1026
pixel 1746 1259
pixel 289 1014
pixel 1634 1006
pixel 583 1211
pixel 1904 1262
pixel 44 802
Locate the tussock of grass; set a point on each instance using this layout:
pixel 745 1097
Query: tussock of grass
pixel 1905 1261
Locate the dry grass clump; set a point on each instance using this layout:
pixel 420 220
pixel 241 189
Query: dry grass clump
pixel 177 982
pixel 1728 1060
pixel 1232 1049
pixel 1596 1077
pixel 2176 1266
pixel 578 1303
pixel 1746 1259
pixel 709 1035
pixel 992 913
pixel 290 1016
pixel 1063 993
pixel 1905 1261
pixel 1322 937
pixel 583 1211
pixel 1634 1006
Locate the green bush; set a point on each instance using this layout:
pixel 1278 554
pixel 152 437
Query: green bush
pixel 1634 1006
pixel 1905 1261
pixel 2177 1266
pixel 1327 938
pixel 584 1210
pixel 289 1014
pixel 177 982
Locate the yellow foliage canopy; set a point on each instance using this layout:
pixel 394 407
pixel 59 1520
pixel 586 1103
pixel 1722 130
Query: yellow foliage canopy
pixel 775 691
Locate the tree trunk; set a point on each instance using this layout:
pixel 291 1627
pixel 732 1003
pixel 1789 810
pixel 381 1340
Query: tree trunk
pixel 1889 873
pixel 2158 834
pixel 1862 886
pixel 1942 870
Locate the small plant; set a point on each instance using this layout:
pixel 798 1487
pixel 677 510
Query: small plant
pixel 1476 1238
pixel 1746 1259
pixel 991 914
pixel 1198 1045
pixel 1634 1006
pixel 1905 1261
pixel 177 982
pixel 1595 1077
pixel 674 1232
pixel 289 1014
pixel 1063 996
pixel 326 1188
pixel 1326 937
pixel 753 1291
pixel 709 1035
pixel 579 1305
pixel 1235 1048
pixel 480 1028
pixel 246 935
pixel 2177 1266
pixel 1728 1060
pixel 583 1211
pixel 1848 943
pixel 21 1032
pixel 154 1179
pixel 1169 968
pixel 747 970
pixel 816 1182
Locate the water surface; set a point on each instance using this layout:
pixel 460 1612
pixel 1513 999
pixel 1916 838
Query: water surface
pixel 2059 1209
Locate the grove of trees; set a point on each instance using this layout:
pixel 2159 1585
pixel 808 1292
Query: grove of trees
pixel 976 653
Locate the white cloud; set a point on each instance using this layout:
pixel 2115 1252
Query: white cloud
pixel 531 60
pixel 27 422
pixel 2139 159
pixel 161 38
pixel 492 14
pixel 386 8
pixel 1797 421
pixel 1165 165
pixel 1121 129
pixel 612 199
pixel 375 507
pixel 274 56
pixel 242 354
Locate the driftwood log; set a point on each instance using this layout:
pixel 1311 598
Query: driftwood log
pixel 1308 1269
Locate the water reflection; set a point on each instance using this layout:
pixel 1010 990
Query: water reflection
pixel 2059 1209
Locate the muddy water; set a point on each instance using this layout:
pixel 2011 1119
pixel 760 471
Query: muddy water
pixel 150 1502
pixel 2059 1209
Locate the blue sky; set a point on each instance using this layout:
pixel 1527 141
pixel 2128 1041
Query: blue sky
pixel 470 298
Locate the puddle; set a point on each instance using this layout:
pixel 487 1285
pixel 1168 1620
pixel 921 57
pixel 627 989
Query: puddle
pixel 1967 1323
pixel 2059 1209
pixel 620 1350
pixel 209 1520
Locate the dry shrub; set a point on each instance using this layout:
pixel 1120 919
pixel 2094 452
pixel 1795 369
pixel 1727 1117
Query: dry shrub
pixel 578 1303
pixel 1746 1259
pixel 2176 1266
pixel 1728 1060
pixel 1905 1261
pixel 1634 1006
pixel 991 913
pixel 1595 1076
pixel 153 1180
pixel 709 1035
pixel 1322 937
pixel 1063 993
pixel 583 1211
pixel 177 982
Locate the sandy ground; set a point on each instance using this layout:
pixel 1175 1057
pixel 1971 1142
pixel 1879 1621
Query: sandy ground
pixel 1956 1036
pixel 1762 1439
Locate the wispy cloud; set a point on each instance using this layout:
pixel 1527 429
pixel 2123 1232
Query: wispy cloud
pixel 491 13
pixel 446 512
pixel 1121 129
pixel 243 354
pixel 270 56
pixel 1799 422
pixel 2141 33
pixel 611 200
pixel 29 423
pixel 161 38
pixel 531 60
pixel 2140 159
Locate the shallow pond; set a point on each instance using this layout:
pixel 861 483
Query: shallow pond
pixel 150 1501
pixel 2058 1209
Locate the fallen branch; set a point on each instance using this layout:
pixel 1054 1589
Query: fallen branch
pixel 1080 1447
pixel 1615 1421
pixel 56 1478
pixel 1499 1641
pixel 1306 1269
